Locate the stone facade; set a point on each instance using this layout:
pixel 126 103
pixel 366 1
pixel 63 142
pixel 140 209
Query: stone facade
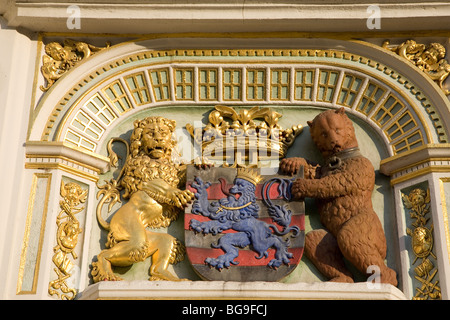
pixel 115 62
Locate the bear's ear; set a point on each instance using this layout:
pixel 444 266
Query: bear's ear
pixel 310 123
pixel 341 111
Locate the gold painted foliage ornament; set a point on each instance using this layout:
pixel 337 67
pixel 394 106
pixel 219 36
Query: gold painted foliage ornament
pixel 61 58
pixel 428 58
pixel 67 238
pixel 418 203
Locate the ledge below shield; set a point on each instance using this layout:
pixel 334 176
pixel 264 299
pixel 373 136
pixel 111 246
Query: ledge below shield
pixel 160 290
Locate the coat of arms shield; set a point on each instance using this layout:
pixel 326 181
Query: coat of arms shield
pixel 241 225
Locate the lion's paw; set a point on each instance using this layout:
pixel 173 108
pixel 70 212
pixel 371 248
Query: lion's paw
pixel 220 262
pixel 283 258
pixel 98 274
pixel 196 225
pixel 181 198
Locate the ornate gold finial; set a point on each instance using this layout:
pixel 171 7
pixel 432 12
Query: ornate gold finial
pixel 249 175
pixel 61 58
pixel 428 58
pixel 241 141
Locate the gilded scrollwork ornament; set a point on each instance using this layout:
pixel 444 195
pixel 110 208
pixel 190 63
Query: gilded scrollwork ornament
pixel 418 203
pixel 68 229
pixel 428 58
pixel 60 58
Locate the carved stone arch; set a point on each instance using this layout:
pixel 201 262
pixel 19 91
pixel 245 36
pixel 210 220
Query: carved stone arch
pixel 406 109
pixel 427 105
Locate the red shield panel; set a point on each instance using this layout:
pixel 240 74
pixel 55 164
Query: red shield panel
pixel 242 226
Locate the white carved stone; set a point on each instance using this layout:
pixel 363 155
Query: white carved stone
pixel 240 290
pixel 233 16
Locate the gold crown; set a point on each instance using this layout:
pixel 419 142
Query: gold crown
pixel 236 138
pixel 249 175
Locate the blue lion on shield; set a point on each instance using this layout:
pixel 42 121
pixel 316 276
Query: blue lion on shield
pixel 239 211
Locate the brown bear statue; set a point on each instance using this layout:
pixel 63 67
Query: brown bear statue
pixel 342 189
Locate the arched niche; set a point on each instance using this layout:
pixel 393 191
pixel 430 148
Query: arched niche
pixel 397 110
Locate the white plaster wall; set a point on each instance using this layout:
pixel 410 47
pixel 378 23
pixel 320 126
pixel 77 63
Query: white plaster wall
pixel 17 60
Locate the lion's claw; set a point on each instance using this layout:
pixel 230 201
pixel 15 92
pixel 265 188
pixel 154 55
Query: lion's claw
pixel 220 262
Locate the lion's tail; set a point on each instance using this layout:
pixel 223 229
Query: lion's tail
pixel 110 194
pixel 177 252
pixel 105 225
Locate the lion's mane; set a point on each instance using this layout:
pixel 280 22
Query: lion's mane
pixel 142 168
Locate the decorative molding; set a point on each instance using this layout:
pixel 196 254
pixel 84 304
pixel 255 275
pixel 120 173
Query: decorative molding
pixel 123 101
pixel 34 229
pixel 416 162
pixel 255 290
pixel 438 166
pixel 445 205
pixel 59 155
pixel 236 16
pixel 65 165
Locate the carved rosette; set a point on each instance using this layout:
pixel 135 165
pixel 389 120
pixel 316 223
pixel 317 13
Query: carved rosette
pixel 68 229
pixel 418 204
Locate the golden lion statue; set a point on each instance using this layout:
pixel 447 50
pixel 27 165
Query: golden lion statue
pixel 150 181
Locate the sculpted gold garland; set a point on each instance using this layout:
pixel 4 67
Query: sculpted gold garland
pixel 418 202
pixel 150 181
pixel 67 238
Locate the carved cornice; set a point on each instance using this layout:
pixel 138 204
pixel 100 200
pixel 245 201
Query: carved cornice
pixel 417 162
pixel 58 155
pixel 235 16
